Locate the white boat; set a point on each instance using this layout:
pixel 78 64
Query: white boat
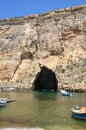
pixel 10 89
pixel 65 93
pixel 7 100
pixel 3 103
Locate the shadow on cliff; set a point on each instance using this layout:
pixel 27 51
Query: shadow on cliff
pixel 45 80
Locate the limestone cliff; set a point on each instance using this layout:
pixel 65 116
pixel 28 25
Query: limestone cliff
pixel 56 39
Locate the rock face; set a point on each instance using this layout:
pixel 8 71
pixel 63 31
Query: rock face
pixel 56 39
pixel 45 80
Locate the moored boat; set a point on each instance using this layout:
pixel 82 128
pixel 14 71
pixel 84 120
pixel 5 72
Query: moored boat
pixel 7 100
pixel 65 93
pixel 10 89
pixel 2 103
pixel 79 113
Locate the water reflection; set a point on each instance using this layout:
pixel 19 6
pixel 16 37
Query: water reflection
pixel 47 110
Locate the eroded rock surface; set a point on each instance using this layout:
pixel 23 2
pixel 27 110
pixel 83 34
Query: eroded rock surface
pixel 57 39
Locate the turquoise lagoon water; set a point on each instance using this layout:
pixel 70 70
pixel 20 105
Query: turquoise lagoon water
pixel 40 111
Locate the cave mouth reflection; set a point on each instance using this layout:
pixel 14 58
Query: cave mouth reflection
pixel 45 80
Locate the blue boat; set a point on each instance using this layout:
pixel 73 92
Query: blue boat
pixel 65 93
pixel 79 113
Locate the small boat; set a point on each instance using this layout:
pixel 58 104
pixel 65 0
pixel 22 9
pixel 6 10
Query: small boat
pixel 65 93
pixel 10 89
pixel 7 100
pixel 79 113
pixel 3 103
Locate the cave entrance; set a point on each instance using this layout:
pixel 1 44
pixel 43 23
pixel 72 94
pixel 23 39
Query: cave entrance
pixel 45 80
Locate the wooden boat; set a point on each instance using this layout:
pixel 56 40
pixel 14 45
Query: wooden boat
pixel 3 103
pixel 65 93
pixel 79 113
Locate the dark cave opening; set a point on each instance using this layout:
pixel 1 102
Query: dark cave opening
pixel 45 80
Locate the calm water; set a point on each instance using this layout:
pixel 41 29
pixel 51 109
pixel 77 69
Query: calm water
pixel 35 110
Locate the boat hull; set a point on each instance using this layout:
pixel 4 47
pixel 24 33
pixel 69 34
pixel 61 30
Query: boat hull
pixel 2 103
pixel 65 93
pixel 78 115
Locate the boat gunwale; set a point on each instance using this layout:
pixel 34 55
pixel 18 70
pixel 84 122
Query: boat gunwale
pixel 78 111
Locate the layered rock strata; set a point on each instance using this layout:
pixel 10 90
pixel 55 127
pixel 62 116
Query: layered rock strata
pixel 56 39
